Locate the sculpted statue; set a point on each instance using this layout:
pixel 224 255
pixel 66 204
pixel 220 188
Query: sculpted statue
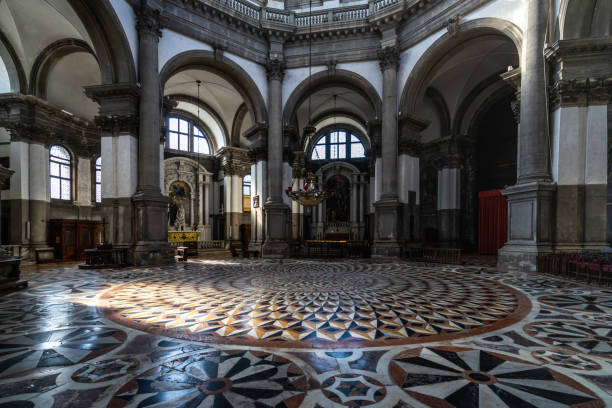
pixel 179 224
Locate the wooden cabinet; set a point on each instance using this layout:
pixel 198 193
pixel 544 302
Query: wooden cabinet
pixel 70 238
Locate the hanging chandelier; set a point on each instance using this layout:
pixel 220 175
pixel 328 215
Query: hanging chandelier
pixel 310 195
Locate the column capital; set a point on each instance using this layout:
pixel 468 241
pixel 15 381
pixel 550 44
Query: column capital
pixel 389 58
pixel 234 161
pixel 148 20
pixel 275 69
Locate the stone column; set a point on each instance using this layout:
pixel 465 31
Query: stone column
pixel 235 164
pixel 258 136
pixel 117 124
pixel 388 223
pixel 297 210
pixel 19 192
pixel 354 206
pixel 530 200
pixel 151 206
pixel 276 211
pixel 409 172
pixel 39 194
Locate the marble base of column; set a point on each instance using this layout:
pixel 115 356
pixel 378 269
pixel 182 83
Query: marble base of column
pixel 388 221
pixel 232 230
pixel 151 215
pixel 449 228
pixel 530 225
pixel 276 244
pixel 297 226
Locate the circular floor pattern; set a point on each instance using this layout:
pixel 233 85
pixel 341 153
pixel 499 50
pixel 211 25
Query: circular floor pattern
pixel 576 336
pixel 57 348
pixel 461 377
pixel 580 303
pixel 231 378
pixel 314 304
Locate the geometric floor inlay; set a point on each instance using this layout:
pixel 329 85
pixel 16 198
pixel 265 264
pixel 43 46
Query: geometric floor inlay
pixel 304 333
pixel 470 378
pixel 316 304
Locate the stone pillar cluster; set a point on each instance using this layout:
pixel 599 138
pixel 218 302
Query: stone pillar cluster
pixel 530 200
pixel 276 211
pixel 388 222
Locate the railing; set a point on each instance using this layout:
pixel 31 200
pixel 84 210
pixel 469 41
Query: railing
pixel 302 19
pixel 589 266
pixel 243 7
pixel 216 244
pixel 278 16
pixel 105 256
pixel 437 255
pixel 305 20
pixel 383 4
pixel 353 14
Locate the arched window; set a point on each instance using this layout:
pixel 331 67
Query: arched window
pixel 184 135
pixel 338 145
pixel 99 180
pixel 246 193
pixel 60 173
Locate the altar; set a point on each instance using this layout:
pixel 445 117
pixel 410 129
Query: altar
pixel 187 239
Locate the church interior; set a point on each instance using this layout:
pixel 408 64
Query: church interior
pixel 305 203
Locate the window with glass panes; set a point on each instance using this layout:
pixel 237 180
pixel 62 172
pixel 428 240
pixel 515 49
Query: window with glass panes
pixel 184 135
pixel 99 180
pixel 246 193
pixel 338 145
pixel 60 173
pixel 200 142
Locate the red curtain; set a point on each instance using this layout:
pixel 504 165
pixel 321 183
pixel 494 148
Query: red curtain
pixel 492 221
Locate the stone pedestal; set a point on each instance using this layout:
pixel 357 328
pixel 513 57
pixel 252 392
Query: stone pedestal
pixel 277 231
pixel 151 216
pixel 388 222
pixel 530 221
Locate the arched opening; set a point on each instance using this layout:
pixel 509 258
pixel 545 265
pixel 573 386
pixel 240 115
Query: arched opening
pixel 470 146
pixel 211 95
pixel 343 109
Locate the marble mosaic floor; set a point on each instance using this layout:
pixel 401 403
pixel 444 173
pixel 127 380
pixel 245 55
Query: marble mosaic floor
pixel 304 333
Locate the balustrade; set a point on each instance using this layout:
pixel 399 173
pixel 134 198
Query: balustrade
pixel 301 19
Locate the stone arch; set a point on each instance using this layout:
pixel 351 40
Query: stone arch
pixel 416 83
pixel 16 74
pixel 221 66
pixel 110 43
pixel 584 18
pixel 237 124
pixel 475 101
pixel 49 57
pixel 204 107
pixel 338 167
pixel 325 78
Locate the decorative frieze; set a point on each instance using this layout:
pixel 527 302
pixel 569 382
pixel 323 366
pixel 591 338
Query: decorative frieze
pixel 389 58
pixel 580 92
pixel 117 124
